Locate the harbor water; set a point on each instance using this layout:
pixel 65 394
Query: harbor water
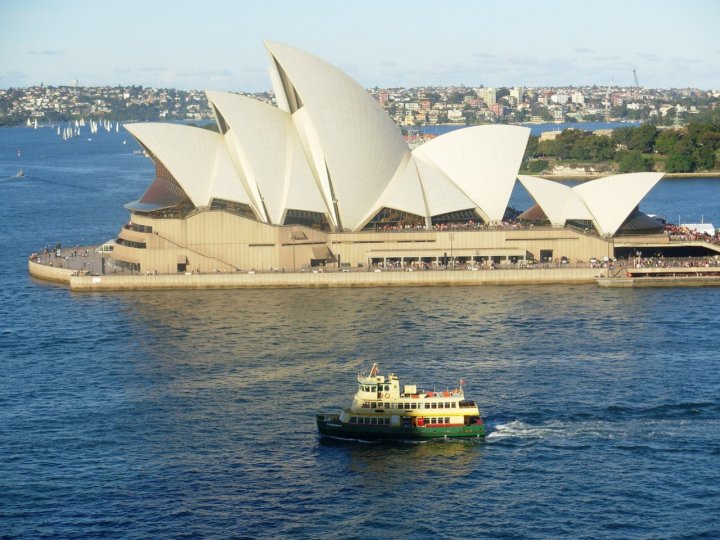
pixel 190 414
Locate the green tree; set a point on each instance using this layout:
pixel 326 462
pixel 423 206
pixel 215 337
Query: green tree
pixel 621 136
pixel 643 138
pixel 537 165
pixel 704 158
pixel 666 141
pixel 679 162
pixel 532 147
pixel 592 148
pixel 633 161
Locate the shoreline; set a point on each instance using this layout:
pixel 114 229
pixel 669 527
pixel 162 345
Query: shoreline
pixel 279 280
pixel 674 176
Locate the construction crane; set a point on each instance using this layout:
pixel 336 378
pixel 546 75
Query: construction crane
pixel 637 84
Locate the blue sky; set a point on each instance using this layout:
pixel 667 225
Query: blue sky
pixel 217 44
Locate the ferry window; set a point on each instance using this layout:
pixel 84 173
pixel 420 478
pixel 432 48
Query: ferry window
pixel 447 405
pixel 387 405
pixel 427 405
pixel 366 404
pixel 447 420
pixel 407 405
pixel 373 404
pixel 434 405
pixel 353 420
pixel 373 420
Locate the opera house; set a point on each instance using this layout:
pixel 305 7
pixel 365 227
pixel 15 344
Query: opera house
pixel 326 178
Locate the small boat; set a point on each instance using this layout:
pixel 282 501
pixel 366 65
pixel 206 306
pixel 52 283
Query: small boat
pixel 20 174
pixel 383 410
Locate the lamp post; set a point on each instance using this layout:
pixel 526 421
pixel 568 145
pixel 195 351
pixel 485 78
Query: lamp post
pixel 452 259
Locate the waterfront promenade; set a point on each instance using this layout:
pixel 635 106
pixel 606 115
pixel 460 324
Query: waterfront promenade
pixel 81 269
pixel 82 272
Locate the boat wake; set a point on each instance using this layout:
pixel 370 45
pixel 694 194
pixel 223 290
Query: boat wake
pixel 555 431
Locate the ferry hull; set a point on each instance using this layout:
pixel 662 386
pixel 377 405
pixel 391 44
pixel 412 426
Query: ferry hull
pixel 335 428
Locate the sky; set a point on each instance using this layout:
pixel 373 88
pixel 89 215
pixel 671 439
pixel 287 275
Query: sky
pixel 218 44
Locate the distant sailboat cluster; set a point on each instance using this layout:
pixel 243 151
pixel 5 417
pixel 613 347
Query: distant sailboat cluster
pixel 75 128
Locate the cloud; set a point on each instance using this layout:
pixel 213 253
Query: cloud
pixel 46 52
pixel 583 50
pixel 146 69
pixel 13 78
pixel 205 73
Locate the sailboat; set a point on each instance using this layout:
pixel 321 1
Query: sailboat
pixel 36 124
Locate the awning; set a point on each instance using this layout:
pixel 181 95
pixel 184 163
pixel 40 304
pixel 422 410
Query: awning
pixel 320 252
pixel 147 207
pixel 182 259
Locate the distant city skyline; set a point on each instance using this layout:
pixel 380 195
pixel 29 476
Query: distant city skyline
pixel 218 44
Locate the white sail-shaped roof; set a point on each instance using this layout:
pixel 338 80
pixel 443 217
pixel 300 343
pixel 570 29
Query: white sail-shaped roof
pixel 328 148
pixel 404 192
pixel 611 199
pixel 270 154
pixel 441 194
pixel 607 202
pixel 556 200
pixel 361 146
pixel 482 161
pixel 197 158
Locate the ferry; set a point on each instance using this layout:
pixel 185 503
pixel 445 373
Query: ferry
pixel 382 409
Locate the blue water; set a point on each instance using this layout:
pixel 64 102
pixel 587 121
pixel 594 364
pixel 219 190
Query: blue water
pixel 189 414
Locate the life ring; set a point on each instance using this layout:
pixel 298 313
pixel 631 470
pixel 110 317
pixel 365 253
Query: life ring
pixel 387 395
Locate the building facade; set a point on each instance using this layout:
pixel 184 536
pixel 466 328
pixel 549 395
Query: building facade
pixel 327 178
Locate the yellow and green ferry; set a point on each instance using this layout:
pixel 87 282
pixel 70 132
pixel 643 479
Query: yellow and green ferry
pixel 382 409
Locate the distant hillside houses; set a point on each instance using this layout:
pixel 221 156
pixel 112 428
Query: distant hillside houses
pixel 406 106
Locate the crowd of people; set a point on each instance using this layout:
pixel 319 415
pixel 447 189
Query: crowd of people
pixel 469 225
pixel 684 234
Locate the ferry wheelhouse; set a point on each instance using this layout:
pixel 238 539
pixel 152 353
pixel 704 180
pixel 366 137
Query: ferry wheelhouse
pixel 383 409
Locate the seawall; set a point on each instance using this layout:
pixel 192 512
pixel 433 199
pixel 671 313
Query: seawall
pixel 128 282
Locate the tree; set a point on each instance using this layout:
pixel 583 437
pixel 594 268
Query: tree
pixel 632 161
pixel 592 148
pixel 704 158
pixel 537 165
pixel 643 138
pixel 532 147
pixel 621 136
pixel 666 141
pixel 679 162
